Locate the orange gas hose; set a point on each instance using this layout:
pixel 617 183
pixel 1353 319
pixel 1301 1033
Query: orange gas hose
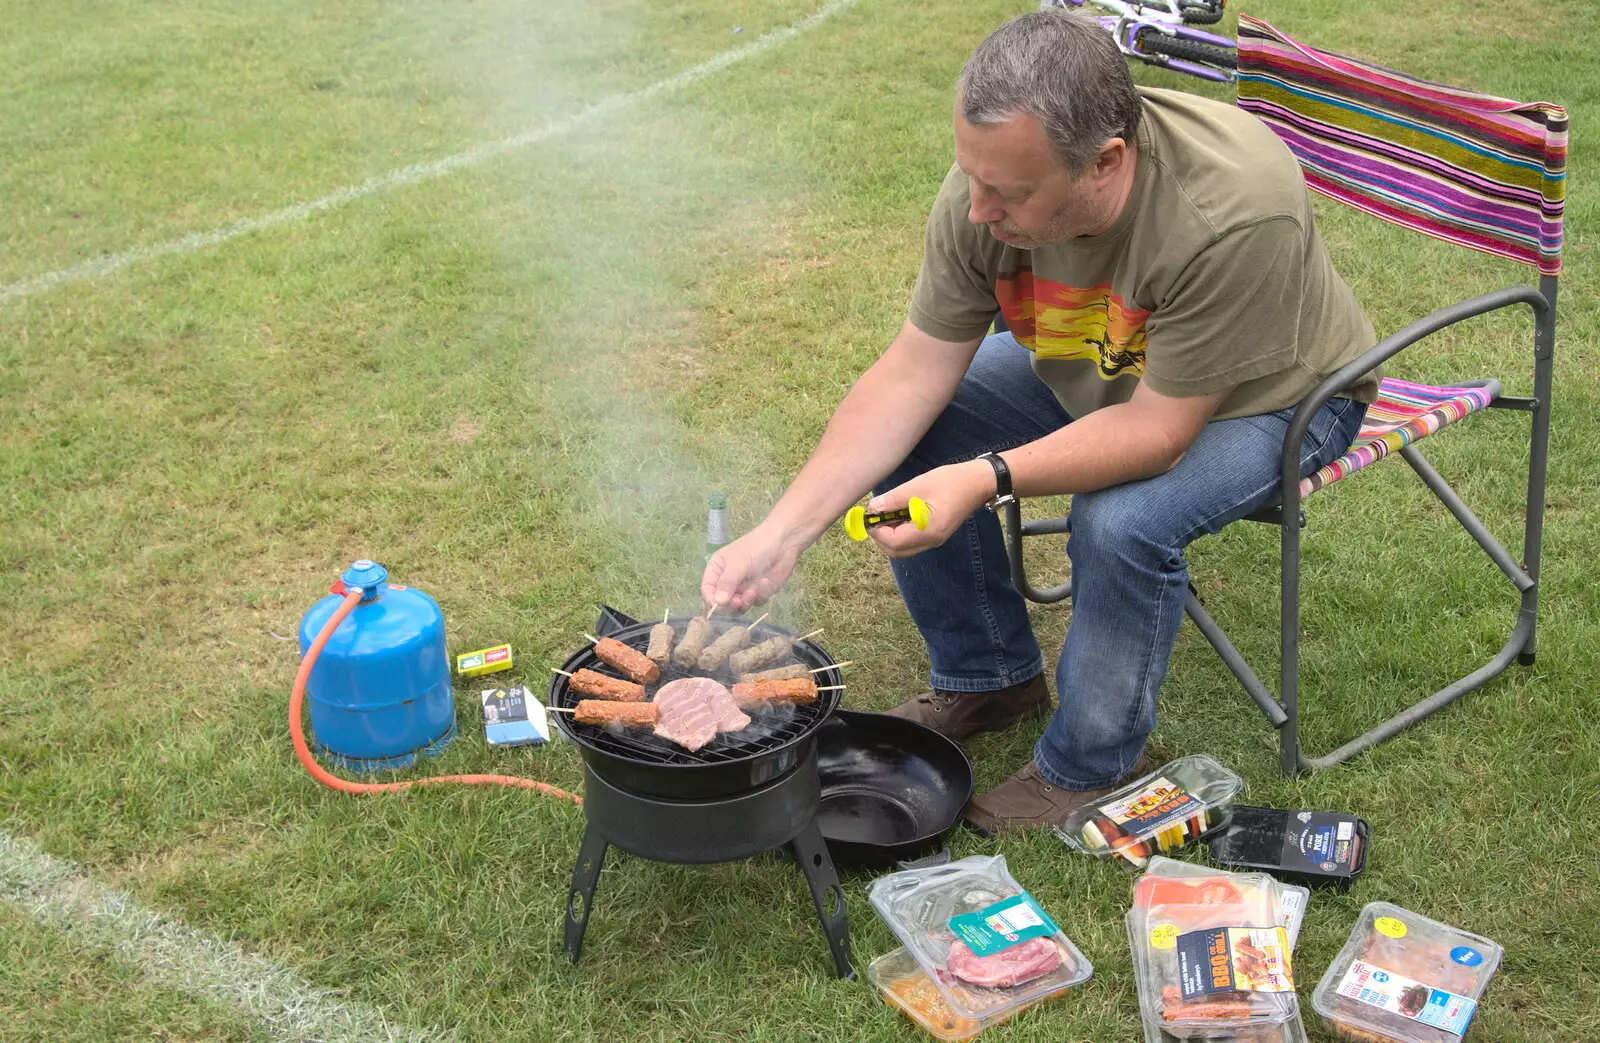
pixel 297 732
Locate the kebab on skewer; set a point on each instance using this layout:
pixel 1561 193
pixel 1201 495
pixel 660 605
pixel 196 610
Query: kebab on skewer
pixel 695 637
pixel 789 673
pixel 633 663
pixel 600 712
pixel 796 691
pixel 598 685
pixel 659 648
pixel 768 653
pixel 731 640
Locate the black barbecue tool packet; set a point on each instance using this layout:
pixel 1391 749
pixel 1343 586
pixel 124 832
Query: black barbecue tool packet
pixel 1314 848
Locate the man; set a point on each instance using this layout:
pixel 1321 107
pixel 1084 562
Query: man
pixel 1169 303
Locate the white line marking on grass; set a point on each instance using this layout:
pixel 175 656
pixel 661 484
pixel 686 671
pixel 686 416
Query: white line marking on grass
pixel 171 954
pixel 410 175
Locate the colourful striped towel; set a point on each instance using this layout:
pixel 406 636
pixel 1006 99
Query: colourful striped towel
pixel 1483 172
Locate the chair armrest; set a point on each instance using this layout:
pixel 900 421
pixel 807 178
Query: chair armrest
pixel 1381 352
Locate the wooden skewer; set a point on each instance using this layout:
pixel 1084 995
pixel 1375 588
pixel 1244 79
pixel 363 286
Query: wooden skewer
pixel 559 709
pixel 665 615
pixel 560 671
pixel 835 666
pixel 814 633
pixel 711 612
pixel 829 687
pixel 759 618
pixel 592 639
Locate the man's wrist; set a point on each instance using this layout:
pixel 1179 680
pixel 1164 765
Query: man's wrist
pixel 794 533
pixel 1000 473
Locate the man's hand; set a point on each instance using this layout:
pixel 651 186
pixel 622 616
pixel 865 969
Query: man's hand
pixel 952 493
pixel 749 570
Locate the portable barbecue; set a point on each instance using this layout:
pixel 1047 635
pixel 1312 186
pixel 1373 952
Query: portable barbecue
pixel 742 794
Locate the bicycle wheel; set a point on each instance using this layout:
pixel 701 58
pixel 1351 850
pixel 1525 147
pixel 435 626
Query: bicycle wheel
pixel 1200 12
pixel 1157 42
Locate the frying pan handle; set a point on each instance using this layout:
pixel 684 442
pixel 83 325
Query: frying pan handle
pixel 938 858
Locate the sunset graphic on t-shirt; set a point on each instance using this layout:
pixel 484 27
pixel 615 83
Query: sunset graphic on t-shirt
pixel 1056 321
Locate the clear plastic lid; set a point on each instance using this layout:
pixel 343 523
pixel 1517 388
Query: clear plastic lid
pixel 1211 954
pixel 1292 898
pixel 918 905
pixel 1165 810
pixel 1405 978
pixel 1291 905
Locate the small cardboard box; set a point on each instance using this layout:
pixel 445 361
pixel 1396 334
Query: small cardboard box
pixel 484 661
pixel 513 717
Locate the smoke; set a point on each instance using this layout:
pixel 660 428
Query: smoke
pixel 610 224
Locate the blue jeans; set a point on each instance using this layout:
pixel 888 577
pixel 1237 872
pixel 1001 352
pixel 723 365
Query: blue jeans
pixel 1129 577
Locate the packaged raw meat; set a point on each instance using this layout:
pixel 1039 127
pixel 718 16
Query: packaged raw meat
pixel 1212 957
pixel 908 989
pixel 982 941
pixel 1169 808
pixel 1221 885
pixel 1403 978
pixel 1291 898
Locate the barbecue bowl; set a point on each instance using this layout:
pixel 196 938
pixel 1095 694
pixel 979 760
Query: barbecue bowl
pixel 892 789
pixel 778 740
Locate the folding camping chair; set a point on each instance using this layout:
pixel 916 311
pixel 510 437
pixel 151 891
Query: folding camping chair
pixel 1471 169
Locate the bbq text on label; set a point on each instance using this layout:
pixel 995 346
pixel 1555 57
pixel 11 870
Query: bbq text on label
pixel 1234 959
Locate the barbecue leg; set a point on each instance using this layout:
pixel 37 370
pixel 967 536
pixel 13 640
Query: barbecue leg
pixel 812 852
pixel 580 900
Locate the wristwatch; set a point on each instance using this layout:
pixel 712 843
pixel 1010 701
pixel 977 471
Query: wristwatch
pixel 1002 482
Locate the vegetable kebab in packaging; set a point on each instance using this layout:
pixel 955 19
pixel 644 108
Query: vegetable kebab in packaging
pixel 1165 810
pixel 986 944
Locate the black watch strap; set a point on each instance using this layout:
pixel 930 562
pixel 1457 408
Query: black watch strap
pixel 1002 482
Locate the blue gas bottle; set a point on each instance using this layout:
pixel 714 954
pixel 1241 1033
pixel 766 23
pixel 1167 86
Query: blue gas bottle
pixel 380 691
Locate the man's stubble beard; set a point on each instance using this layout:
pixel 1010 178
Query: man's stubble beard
pixel 1067 224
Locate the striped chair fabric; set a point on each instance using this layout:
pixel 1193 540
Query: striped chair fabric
pixel 1403 414
pixel 1480 171
pixel 1472 169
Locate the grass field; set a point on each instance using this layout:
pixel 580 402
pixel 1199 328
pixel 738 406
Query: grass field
pixel 516 382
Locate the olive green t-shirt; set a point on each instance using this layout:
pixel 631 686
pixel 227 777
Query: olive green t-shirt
pixel 1212 277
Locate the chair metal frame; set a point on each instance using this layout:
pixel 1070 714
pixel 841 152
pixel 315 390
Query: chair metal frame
pixel 1283 711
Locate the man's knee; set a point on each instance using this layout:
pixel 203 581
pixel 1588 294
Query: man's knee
pixel 1120 517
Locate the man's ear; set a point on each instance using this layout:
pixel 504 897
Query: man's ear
pixel 1113 154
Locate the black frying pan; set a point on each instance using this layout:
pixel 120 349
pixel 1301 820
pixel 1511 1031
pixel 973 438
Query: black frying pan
pixel 892 789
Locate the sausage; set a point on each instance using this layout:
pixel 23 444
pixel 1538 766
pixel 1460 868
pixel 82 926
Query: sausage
pixel 779 673
pixel 630 661
pixel 629 715
pixel 695 636
pixel 660 647
pixel 767 653
pixel 731 641
pixel 587 682
pixel 798 690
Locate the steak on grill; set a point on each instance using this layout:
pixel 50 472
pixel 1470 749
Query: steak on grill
pixel 692 710
pixel 1007 968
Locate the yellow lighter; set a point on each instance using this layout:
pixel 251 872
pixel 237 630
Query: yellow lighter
pixel 857 520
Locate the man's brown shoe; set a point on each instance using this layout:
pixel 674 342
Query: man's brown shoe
pixel 960 714
pixel 1027 801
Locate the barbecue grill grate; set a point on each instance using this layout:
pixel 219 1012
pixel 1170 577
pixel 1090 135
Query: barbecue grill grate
pixel 768 729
